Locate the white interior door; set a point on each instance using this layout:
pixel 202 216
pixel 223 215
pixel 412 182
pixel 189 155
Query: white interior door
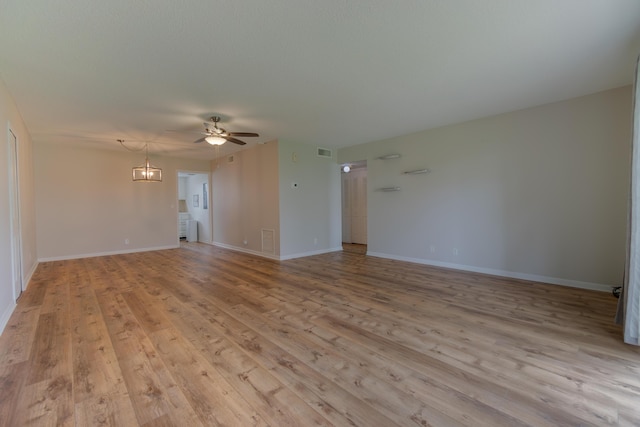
pixel 14 202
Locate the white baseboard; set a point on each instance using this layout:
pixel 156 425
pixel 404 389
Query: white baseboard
pixel 495 272
pixel 27 278
pixel 131 251
pixel 4 319
pixel 276 257
pixel 503 273
pixel 312 253
pixel 247 251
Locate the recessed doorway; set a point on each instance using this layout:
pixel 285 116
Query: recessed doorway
pixel 194 207
pixel 354 203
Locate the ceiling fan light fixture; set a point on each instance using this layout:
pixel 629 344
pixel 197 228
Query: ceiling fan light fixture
pixel 215 140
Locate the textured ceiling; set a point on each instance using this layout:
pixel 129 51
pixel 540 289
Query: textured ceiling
pixel 329 73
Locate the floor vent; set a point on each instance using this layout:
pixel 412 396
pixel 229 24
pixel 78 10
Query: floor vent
pixel 324 152
pixel 268 241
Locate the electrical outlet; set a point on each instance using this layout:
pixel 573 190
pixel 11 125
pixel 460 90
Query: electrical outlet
pixel 126 241
pixel 455 251
pixel 432 248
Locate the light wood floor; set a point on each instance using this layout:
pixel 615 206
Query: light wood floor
pixel 204 336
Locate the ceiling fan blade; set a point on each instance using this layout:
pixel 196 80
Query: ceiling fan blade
pixel 235 141
pixel 198 141
pixel 242 134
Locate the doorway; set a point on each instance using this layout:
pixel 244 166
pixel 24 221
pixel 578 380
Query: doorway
pixel 354 203
pixel 14 206
pixel 194 207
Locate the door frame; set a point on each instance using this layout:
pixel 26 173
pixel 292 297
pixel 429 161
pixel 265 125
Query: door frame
pixel 14 213
pixel 209 216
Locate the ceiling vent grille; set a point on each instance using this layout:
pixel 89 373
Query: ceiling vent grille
pixel 324 152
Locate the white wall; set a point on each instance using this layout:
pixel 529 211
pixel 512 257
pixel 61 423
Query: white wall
pixel 182 187
pixel 244 198
pixel 10 117
pixel 310 214
pixel 539 193
pixel 88 204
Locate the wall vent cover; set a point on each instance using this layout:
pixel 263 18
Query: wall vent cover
pixel 268 241
pixel 230 159
pixel 324 152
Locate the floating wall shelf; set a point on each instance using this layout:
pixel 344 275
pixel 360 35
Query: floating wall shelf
pixel 417 171
pixel 388 189
pixel 389 156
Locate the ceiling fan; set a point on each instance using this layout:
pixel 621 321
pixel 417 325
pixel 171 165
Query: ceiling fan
pixel 217 136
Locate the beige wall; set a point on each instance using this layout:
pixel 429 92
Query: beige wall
pixel 244 198
pixel 310 214
pixel 88 205
pixel 10 118
pixel 254 192
pixel 539 193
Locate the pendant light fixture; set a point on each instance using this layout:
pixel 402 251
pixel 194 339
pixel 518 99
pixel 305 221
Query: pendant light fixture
pixel 146 172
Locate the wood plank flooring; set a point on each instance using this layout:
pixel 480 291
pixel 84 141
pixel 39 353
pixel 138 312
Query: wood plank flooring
pixel 205 336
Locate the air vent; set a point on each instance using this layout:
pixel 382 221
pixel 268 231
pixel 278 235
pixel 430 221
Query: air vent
pixel 324 152
pixel 268 241
pixel 230 159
